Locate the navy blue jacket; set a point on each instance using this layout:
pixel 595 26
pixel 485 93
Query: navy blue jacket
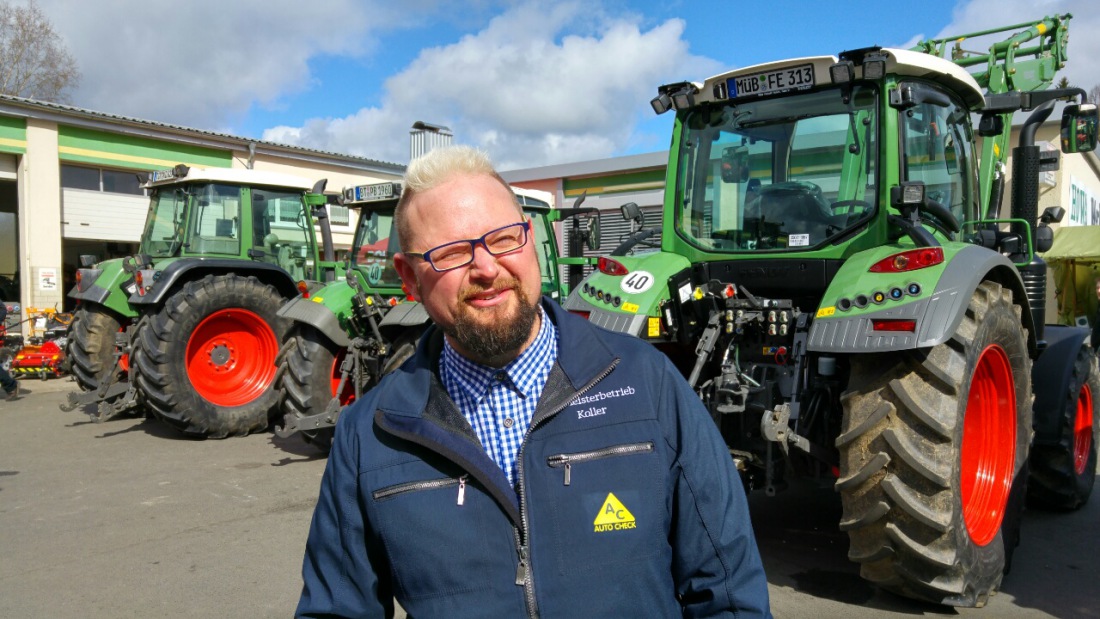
pixel 628 503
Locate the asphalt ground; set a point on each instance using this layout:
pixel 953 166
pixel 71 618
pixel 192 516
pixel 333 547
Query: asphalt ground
pixel 126 519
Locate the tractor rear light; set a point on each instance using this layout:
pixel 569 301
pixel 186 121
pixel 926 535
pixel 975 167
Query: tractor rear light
pixel 581 314
pixel 140 282
pixel 79 277
pixel 608 266
pixel 729 292
pixel 393 301
pixel 894 324
pixel 911 260
pixel 303 289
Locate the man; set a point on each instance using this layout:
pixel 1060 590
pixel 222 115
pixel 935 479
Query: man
pixel 7 383
pixel 523 462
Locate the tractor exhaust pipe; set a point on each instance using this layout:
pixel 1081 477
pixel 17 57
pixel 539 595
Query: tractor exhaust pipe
pixel 1025 206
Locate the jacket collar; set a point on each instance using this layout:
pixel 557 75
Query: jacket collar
pixel 420 410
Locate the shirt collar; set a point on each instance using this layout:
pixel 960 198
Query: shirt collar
pixel 522 373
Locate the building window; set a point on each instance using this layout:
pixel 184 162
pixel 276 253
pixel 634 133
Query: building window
pixel 339 215
pixel 74 177
pixel 97 179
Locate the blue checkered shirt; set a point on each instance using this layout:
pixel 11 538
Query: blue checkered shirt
pixel 499 402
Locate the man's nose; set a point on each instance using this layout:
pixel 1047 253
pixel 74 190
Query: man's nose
pixel 483 264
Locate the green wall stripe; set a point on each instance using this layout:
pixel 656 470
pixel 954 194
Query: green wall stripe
pixel 13 135
pixel 76 144
pixel 607 184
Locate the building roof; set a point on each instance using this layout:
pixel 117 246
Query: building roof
pixel 70 115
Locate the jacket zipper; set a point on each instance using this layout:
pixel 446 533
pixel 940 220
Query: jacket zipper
pixel 566 461
pixel 524 574
pixel 416 486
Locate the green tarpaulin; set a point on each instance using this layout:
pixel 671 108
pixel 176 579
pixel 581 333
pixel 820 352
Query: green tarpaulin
pixel 1075 265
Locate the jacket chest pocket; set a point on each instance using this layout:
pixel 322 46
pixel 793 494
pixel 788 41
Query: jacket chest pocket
pixel 431 530
pixel 609 503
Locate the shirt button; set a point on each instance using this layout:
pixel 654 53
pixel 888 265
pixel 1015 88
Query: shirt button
pixel 499 377
pixel 509 422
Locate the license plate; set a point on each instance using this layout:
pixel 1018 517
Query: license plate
pixel 771 82
pixel 380 191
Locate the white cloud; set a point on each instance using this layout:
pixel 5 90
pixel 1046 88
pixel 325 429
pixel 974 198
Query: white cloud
pixel 539 84
pixel 201 63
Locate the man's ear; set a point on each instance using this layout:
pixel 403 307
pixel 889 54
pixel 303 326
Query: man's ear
pixel 405 270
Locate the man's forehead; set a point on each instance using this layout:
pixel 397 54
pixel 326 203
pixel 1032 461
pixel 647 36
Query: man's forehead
pixel 466 190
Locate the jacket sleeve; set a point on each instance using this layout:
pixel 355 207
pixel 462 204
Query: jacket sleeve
pixel 341 576
pixel 716 564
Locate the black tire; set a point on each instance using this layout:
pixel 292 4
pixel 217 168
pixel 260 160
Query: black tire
pixel 91 345
pixel 903 478
pixel 228 327
pixel 309 369
pixel 1062 475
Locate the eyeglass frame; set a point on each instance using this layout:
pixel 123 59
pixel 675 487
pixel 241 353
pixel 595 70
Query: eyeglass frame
pixel 426 256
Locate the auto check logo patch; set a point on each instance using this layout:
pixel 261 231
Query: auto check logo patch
pixel 596 398
pixel 613 516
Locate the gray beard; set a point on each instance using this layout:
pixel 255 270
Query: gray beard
pixel 499 342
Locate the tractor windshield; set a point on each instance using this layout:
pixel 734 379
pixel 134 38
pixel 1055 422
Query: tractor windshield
pixel 784 174
pixel 164 224
pixel 374 247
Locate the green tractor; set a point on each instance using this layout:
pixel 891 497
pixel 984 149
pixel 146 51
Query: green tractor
pixel 188 326
pixel 835 283
pixel 347 334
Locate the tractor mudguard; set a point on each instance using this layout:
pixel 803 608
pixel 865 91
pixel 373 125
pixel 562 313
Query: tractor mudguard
pixel 317 315
pixel 186 269
pixel 1050 379
pixel 401 316
pixel 624 303
pixel 937 308
pixel 110 288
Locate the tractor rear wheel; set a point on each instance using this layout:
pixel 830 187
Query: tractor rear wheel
pixel 934 447
pixel 1062 475
pixel 91 345
pixel 310 374
pixel 207 356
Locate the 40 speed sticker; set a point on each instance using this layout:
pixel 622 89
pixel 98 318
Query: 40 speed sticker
pixel 637 282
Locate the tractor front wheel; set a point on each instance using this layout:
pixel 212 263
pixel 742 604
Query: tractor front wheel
pixel 207 356
pixel 310 374
pixel 934 447
pixel 91 345
pixel 1063 474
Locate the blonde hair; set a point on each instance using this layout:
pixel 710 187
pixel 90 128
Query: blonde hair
pixel 435 168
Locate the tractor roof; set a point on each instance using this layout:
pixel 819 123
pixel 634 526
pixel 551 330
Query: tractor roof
pixel 235 176
pixel 898 61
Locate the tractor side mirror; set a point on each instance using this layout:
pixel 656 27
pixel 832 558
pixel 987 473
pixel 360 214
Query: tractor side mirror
pixel 1079 128
pixel 592 235
pixel 735 164
pixel 631 212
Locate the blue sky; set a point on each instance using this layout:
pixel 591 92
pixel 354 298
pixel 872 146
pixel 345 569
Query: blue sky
pixel 532 82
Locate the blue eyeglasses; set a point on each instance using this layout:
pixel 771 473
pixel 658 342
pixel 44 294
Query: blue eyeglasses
pixel 457 254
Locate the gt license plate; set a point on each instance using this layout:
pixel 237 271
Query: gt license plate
pixel 771 82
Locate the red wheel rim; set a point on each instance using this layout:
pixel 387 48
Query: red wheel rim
pixel 1082 430
pixel 348 395
pixel 989 445
pixel 231 357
